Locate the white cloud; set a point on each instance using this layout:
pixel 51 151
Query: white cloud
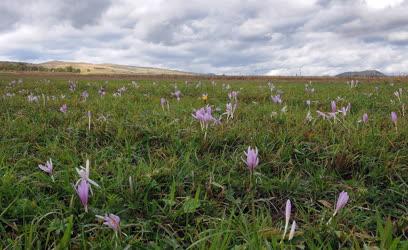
pixel 225 37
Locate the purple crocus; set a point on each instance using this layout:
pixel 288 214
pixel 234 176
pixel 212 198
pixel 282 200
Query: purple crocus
pixel 365 118
pixel 111 220
pixel 292 230
pixel 164 103
pixel 252 159
pixel 233 95
pixel 277 99
pixel 83 173
pixel 85 95
pixel 230 110
pixel 394 118
pixel 288 210
pixel 333 106
pixel 177 94
pixel 102 91
pixel 48 168
pixel 204 116
pixel 341 202
pixel 64 108
pixel 83 193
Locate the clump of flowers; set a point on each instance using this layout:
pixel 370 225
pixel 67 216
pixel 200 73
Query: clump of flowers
pixel 205 117
pixel 177 94
pixel 277 99
pixel 111 220
pixel 233 96
pixel 64 108
pixel 230 110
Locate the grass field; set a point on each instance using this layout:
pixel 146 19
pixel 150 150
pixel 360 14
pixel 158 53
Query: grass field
pixel 174 188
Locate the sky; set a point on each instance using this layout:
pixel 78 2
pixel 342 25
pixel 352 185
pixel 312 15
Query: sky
pixel 247 37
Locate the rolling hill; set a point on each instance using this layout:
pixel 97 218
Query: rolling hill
pixel 365 73
pixel 89 68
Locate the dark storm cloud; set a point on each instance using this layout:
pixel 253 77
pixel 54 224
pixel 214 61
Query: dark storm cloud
pixel 232 37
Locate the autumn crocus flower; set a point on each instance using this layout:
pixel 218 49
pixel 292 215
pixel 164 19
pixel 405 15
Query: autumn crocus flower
pixel 164 103
pixel 64 108
pixel 252 159
pixel 83 193
pixel 394 118
pixel 292 230
pixel 333 106
pixel 365 118
pixel 341 202
pixel 84 95
pixel 111 220
pixel 84 175
pixel 48 168
pixel 233 95
pixel 277 99
pixel 177 94
pixel 230 110
pixel 204 116
pixel 288 210
pixel 102 91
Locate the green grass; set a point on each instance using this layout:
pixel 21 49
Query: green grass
pixel 173 189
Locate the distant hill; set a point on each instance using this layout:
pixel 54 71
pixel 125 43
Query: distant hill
pixel 109 69
pixel 365 73
pixel 86 68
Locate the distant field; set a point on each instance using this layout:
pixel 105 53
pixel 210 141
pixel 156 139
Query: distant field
pixel 175 185
pixel 111 69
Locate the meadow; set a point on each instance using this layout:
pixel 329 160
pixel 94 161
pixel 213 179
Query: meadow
pixel 178 184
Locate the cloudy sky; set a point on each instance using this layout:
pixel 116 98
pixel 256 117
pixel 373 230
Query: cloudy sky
pixel 275 37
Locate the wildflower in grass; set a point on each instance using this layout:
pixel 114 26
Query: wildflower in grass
pixel 292 230
pixel 277 99
pixel 32 98
pixel 321 114
pixel 102 91
pixel 365 118
pixel 64 108
pixel 284 109
pixel 84 175
pixel 233 96
pixel 308 103
pixel 204 116
pixel 341 202
pixel 288 210
pixel 72 86
pixel 230 110
pixel 83 193
pixel 309 117
pixel 333 107
pixel 48 168
pixel 394 118
pixel 84 95
pixel 398 94
pixel 164 103
pixel 89 114
pixel 177 94
pixel 120 92
pixel 252 159
pixel 111 220
pixel 204 97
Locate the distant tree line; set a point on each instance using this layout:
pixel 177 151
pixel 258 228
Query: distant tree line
pixel 16 66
